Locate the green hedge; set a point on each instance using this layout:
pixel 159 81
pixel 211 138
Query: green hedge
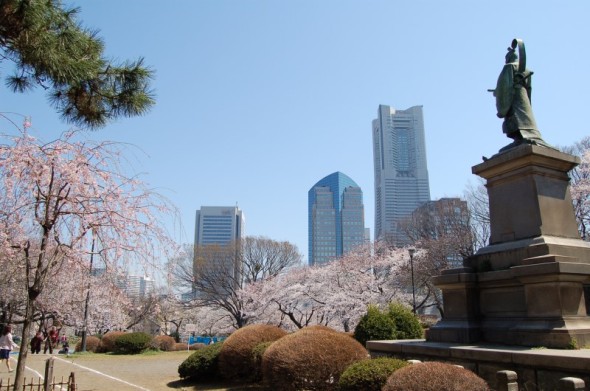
pixel 407 325
pixel 202 364
pixel 374 325
pixel 132 343
pixel 397 322
pixel 369 375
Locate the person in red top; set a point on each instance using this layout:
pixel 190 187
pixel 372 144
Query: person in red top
pixel 36 343
pixel 51 341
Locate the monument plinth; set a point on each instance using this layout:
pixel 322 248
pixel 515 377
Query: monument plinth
pixel 527 286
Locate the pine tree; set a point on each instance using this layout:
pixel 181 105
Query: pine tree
pixel 49 48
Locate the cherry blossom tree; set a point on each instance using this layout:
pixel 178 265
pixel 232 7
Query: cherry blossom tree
pixel 476 196
pixel 60 196
pixel 444 232
pixel 335 294
pixel 62 301
pixel 211 321
pixel 580 186
pixel 217 273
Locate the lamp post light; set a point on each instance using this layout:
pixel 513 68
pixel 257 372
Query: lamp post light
pixel 412 251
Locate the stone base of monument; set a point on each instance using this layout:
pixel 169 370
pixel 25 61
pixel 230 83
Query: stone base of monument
pixel 531 305
pixel 537 369
pixel 528 286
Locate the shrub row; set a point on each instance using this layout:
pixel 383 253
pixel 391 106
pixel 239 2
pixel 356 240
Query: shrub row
pixel 236 361
pixel 129 343
pixel 312 358
pixel 318 358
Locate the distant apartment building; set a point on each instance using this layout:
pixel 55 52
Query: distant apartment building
pixel 400 170
pixel 336 218
pixel 445 218
pixel 139 286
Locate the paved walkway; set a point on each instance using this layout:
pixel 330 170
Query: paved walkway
pixel 101 372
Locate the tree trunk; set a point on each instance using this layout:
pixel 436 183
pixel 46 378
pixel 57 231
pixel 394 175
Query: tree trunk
pixel 24 345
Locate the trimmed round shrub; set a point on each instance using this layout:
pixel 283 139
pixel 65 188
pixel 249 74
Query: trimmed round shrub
pixel 319 327
pixel 374 325
pixel 309 360
pixel 180 346
pixel 107 342
pixel 132 343
pixel 197 346
pixel 163 342
pixel 202 364
pixel 407 325
pixel 434 376
pixel 236 361
pixel 92 344
pixel 369 375
pixel 257 354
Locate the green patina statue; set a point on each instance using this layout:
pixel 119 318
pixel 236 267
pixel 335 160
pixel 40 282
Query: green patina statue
pixel 513 99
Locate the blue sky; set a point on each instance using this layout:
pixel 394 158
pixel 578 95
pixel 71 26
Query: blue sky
pixel 258 100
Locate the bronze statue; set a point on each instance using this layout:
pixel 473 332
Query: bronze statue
pixel 513 99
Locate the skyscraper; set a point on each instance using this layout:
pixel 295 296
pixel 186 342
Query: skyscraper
pixel 218 225
pixel 336 218
pixel 401 174
pixel 217 267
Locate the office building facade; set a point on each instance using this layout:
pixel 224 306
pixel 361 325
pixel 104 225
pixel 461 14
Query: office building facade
pixel 401 173
pixel 218 233
pixel 336 218
pixel 446 217
pixel 220 225
pixel 139 286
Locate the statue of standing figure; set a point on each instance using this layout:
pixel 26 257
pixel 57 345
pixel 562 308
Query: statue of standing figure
pixel 513 99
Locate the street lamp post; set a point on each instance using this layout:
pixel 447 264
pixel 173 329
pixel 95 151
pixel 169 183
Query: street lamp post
pixel 83 343
pixel 412 251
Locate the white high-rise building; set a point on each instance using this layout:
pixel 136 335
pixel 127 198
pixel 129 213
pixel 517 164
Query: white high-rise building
pixel 218 231
pixel 139 286
pixel 218 225
pixel 401 174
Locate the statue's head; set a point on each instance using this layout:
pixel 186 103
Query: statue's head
pixel 511 56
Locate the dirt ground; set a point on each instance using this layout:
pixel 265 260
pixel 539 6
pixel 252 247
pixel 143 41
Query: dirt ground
pixel 100 372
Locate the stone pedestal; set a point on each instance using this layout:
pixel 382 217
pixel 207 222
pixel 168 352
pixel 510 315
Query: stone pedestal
pixel 527 286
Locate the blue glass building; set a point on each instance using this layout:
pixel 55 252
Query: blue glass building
pixel 336 218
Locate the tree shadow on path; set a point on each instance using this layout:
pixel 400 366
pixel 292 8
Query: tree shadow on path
pixel 189 385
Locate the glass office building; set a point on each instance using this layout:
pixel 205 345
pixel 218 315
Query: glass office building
pixel 401 173
pixel 336 218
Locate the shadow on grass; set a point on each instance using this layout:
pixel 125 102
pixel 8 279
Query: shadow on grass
pixel 191 385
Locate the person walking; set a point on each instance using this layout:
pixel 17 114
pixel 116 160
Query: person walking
pixel 36 343
pixel 6 345
pixel 51 340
